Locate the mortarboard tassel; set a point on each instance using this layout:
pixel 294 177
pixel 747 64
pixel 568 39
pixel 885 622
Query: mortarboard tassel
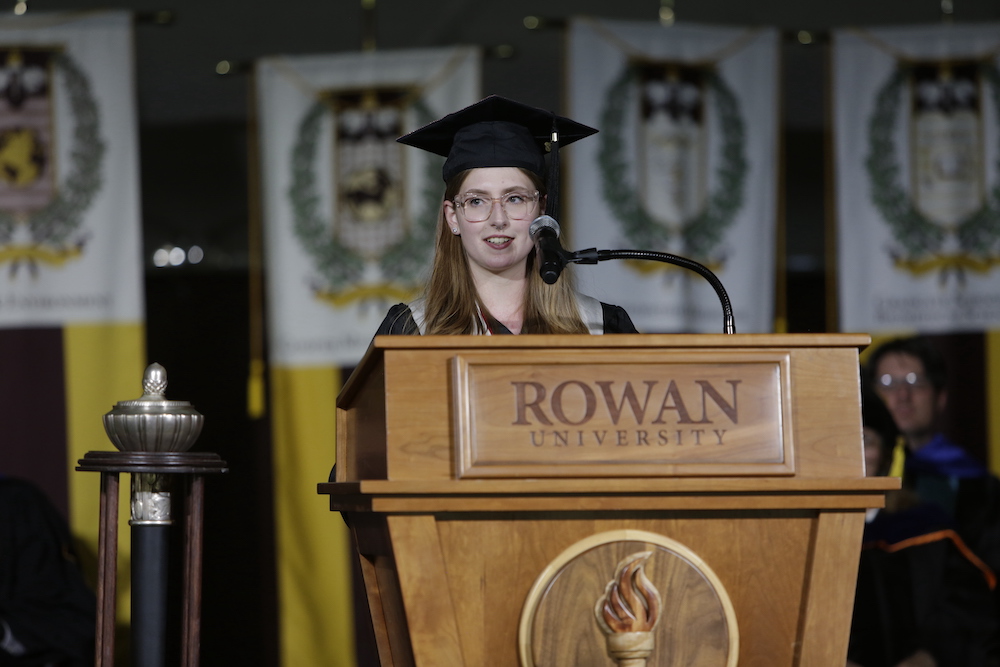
pixel 552 207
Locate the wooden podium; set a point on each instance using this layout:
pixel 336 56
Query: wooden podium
pixel 606 500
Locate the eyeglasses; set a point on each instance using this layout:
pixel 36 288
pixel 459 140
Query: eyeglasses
pixel 517 205
pixel 910 380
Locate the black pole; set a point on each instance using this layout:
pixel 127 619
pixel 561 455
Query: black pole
pixel 149 595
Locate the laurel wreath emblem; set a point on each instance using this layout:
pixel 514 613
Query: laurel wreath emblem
pixel 54 225
pixel 701 235
pixel 923 243
pixel 340 267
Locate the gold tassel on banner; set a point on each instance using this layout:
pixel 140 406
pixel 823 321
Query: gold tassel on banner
pixel 256 388
pixel 256 403
pixel 368 31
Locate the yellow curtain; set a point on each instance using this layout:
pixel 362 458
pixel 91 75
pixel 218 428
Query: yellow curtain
pixel 993 399
pixel 314 573
pixel 103 365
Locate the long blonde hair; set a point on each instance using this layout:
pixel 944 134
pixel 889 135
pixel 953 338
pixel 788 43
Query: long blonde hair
pixel 452 304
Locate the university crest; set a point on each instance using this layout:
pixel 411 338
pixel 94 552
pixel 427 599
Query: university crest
pixel 670 205
pixel 948 220
pixel 42 206
pixel 369 245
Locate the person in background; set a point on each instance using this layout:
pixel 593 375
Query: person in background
pixel 923 598
pixel 484 278
pixel 47 612
pixel 910 376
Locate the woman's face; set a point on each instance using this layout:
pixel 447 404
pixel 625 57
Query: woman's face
pixel 498 245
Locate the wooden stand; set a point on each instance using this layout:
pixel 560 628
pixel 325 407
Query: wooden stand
pixel 193 467
pixel 491 484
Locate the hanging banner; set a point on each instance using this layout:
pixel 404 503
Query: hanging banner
pixel 349 219
pixel 72 338
pixel 685 163
pixel 69 193
pixel 349 213
pixel 917 142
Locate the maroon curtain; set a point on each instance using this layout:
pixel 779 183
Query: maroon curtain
pixel 33 410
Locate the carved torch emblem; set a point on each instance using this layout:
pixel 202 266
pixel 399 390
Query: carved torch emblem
pixel 628 611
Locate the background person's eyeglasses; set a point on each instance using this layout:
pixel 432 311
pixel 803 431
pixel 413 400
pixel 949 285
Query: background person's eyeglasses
pixel 911 380
pixel 517 205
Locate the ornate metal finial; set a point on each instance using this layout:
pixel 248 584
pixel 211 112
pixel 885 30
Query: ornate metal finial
pixel 154 381
pixel 628 612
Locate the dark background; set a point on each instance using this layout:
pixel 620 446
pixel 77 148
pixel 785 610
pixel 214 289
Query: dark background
pixel 195 190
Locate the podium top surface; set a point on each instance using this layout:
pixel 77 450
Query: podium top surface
pixel 620 341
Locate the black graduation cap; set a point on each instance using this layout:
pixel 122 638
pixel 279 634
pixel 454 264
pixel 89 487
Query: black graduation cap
pixel 499 132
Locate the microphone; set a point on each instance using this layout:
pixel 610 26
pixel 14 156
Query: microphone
pixel 551 257
pixel 544 231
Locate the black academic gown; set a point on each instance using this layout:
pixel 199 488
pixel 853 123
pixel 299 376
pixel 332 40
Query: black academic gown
pixel 44 603
pixel 399 321
pixel 921 588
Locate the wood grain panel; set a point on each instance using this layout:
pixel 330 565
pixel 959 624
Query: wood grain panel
pixel 562 414
pixel 760 559
pixel 424 582
pixel 377 612
pixel 828 602
pixel 390 595
pixel 597 504
pixel 382 589
pixel 419 415
pixel 611 485
pixel 826 388
pixel 361 419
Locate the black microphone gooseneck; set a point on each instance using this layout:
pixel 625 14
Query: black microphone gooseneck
pixel 593 256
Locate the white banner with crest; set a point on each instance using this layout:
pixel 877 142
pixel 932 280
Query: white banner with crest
pixel 350 214
pixel 685 163
pixel 917 141
pixel 70 248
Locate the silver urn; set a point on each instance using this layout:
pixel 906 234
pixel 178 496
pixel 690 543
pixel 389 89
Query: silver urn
pixel 152 424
